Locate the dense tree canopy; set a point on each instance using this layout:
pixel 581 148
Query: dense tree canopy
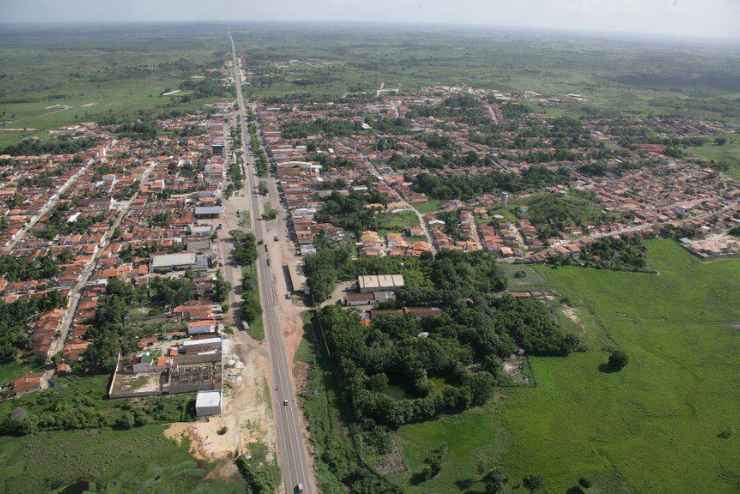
pixel 61 146
pixel 444 364
pixel 468 186
pixel 15 319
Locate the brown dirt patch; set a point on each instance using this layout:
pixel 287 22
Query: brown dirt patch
pixel 300 375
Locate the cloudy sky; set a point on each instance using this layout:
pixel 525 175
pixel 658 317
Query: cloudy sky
pixel 713 18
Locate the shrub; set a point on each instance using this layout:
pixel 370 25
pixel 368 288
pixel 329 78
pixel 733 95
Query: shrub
pixel 617 360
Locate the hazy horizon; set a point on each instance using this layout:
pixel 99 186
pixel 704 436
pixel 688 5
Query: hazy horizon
pixel 717 19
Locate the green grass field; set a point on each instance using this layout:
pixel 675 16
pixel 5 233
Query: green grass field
pixel 729 154
pixel 653 427
pixel 138 460
pixel 397 222
pixel 429 207
pixel 52 78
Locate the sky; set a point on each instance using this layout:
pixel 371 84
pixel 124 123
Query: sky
pixel 688 18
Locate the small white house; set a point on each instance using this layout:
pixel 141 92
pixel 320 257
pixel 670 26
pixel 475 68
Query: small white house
pixel 208 403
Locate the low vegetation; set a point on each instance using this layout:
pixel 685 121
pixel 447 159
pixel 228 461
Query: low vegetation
pixel 81 403
pixel 261 474
pixel 626 253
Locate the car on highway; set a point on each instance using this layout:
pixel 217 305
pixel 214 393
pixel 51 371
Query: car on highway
pixel 298 487
pixel 285 403
pixel 275 238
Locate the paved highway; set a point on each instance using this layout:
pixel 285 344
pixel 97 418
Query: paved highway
pixel 292 453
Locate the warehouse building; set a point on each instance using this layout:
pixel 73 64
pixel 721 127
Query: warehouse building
pixel 182 261
pixel 380 283
pixel 203 212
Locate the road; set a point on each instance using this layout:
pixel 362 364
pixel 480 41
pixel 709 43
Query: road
pixel 75 293
pixel 49 206
pixel 292 452
pixel 492 113
pixel 407 205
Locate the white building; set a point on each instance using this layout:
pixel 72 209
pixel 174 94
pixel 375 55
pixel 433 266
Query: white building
pixel 208 403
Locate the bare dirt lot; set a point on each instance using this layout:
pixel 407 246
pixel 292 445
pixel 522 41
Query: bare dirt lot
pixel 247 414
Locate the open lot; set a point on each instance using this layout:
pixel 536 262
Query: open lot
pixel 138 460
pixel 654 427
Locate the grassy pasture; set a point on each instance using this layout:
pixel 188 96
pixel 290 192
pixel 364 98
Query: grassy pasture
pixel 653 427
pixel 729 154
pixel 138 460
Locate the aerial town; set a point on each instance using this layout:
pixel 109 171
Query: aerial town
pixel 194 255
pixel 126 210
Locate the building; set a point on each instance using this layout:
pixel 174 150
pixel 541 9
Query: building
pixel 173 262
pixel 202 327
pixel 33 381
pixel 380 283
pixel 179 262
pixel 209 211
pixel 201 230
pixel 207 403
pixel 201 345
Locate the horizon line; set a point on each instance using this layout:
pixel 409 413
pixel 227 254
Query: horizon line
pixel 390 23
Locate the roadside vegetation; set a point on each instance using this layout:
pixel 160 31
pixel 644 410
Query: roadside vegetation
pixel 404 370
pixel 244 255
pixel 81 403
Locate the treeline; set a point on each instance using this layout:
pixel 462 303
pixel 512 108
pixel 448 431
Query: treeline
pixel 15 318
pixel 464 106
pixel 351 212
pixel 44 267
pixel 468 186
pixel 261 474
pixel 385 125
pixel 323 269
pixel 626 253
pixel 34 147
pixel 72 405
pixel 57 223
pixel 137 129
pixel 206 87
pixel 442 365
pixel 553 213
pixel 245 255
pixel 325 126
pixel 236 178
pixel 261 163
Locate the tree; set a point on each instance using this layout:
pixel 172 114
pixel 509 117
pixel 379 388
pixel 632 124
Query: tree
pixel 617 360
pixel 221 288
pixel 533 482
pixel 125 421
pixel 269 213
pixel 495 480
pixel 435 459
